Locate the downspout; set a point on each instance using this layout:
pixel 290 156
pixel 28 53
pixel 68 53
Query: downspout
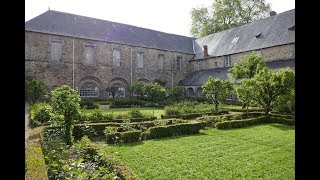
pixel 73 63
pixel 172 68
pixel 131 67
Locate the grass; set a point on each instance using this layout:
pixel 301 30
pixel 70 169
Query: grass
pixel 146 110
pixel 256 152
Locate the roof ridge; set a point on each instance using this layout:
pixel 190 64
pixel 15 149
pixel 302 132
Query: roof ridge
pixel 94 18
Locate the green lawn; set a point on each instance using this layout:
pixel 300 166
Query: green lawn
pixel 256 152
pixel 148 110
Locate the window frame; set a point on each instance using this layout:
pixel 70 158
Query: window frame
pixel 161 61
pixel 116 62
pixel 227 61
pixel 140 60
pixel 178 63
pixel 94 92
pixel 85 53
pixel 54 51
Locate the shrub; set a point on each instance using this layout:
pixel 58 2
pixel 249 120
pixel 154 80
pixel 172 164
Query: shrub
pixel 88 104
pixel 96 115
pixel 173 130
pixel 44 114
pixel 108 116
pixel 35 90
pixel 143 119
pixel 134 113
pixel 252 121
pixel 131 136
pixel 154 92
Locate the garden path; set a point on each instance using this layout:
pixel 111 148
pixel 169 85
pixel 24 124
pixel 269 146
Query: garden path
pixel 27 122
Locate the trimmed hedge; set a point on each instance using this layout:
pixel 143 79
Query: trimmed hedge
pixel 96 129
pixel 244 110
pixel 252 121
pixel 123 137
pixel 143 119
pixel 88 104
pixel 119 167
pixel 194 115
pixel 174 130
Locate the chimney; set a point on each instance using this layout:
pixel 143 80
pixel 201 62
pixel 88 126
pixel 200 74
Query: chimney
pixel 272 13
pixel 205 51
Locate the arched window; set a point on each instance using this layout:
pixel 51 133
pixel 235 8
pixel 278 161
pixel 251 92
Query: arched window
pixel 89 90
pixel 121 91
pixel 190 92
pixel 199 92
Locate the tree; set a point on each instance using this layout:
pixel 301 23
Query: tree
pixel 225 14
pixel 249 66
pixel 217 90
pixel 65 101
pixel 35 90
pixel 267 87
pixel 113 90
pixel 177 93
pixel 154 91
pixel 137 87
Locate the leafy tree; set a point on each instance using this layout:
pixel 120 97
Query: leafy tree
pixel 267 87
pixel 113 90
pixel 225 14
pixel 286 103
pixel 249 66
pixel 159 81
pixel 137 87
pixel 177 93
pixel 35 90
pixel 154 91
pixel 65 101
pixel 217 90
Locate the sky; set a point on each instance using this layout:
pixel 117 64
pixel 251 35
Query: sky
pixel 170 16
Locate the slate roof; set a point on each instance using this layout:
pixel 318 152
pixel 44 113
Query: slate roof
pixel 273 30
pixel 198 78
pixel 66 24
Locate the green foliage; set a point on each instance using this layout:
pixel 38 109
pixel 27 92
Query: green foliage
pixel 217 90
pixel 113 90
pixel 134 113
pixel 175 130
pixel 96 115
pixel 35 90
pixel 225 14
pixel 44 114
pixel 65 101
pixel 286 103
pixel 248 67
pixel 154 92
pixel 177 93
pixel 252 121
pixel 159 81
pixel 267 86
pixel 88 104
pixel 137 87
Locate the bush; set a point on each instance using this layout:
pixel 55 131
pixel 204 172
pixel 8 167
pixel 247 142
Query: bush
pixel 134 113
pixel 44 114
pixel 143 119
pixel 174 130
pixel 35 90
pixel 131 136
pixel 88 104
pixel 252 121
pixel 126 102
pixel 96 115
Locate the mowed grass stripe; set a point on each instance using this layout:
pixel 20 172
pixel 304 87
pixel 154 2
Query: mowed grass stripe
pixel 256 152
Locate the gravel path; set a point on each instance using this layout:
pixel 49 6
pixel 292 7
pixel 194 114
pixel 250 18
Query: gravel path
pixel 27 120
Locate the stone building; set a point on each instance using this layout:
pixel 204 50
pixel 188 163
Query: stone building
pixel 92 54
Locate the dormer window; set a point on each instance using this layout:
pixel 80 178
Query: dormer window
pixel 258 35
pixel 292 28
pixel 235 40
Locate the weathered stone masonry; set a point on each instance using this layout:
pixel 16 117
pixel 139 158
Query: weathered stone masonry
pixel 102 72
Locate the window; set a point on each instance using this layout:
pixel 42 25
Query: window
pixel 89 90
pixel 140 59
pixel 116 57
pixel 190 92
pixel 161 61
pixel 88 54
pixel 235 40
pixel 216 64
pixel 227 61
pixel 120 92
pixel 199 65
pixel 56 51
pixel 178 63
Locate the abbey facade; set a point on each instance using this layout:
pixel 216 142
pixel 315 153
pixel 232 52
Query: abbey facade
pixel 92 54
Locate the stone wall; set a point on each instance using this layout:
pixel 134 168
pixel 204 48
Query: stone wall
pixel 102 72
pixel 268 54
